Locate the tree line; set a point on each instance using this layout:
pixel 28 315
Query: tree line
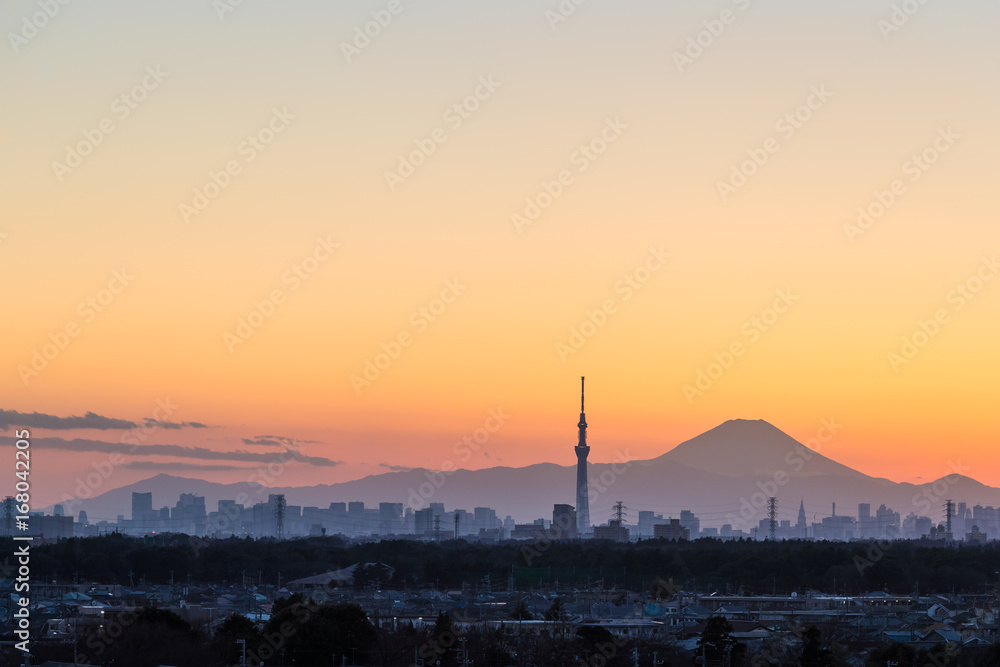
pixel 703 565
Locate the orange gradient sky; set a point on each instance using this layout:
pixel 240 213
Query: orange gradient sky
pixel 680 132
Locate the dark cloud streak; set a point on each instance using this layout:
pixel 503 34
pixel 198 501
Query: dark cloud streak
pixel 173 425
pixel 90 420
pixel 180 465
pixel 82 445
pixel 10 418
pixel 277 440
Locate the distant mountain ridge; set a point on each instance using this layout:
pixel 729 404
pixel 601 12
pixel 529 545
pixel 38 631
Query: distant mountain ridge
pixel 740 447
pixel 714 474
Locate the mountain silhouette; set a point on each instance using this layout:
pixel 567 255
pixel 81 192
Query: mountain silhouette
pixel 741 447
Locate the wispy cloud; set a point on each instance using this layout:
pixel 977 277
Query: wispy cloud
pixel 393 468
pixel 277 440
pixel 83 445
pixel 173 425
pixel 9 418
pixel 261 440
pixel 180 465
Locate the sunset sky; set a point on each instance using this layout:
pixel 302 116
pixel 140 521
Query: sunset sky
pixel 172 169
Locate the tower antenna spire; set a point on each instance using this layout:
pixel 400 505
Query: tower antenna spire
pixel 582 484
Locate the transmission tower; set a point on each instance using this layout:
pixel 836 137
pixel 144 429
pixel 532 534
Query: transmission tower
pixel 772 516
pixel 619 511
pixel 279 514
pixel 949 511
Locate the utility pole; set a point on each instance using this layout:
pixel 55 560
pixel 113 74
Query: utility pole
pixel 772 516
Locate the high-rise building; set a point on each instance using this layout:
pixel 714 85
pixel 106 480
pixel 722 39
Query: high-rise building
pixel 508 526
pixel 142 503
pixel 800 524
pixel 691 522
pixel 189 515
pixel 647 519
pixel 423 522
pixel 390 518
pixel 485 519
pixel 144 519
pixel 582 487
pixel 888 523
pixel 564 525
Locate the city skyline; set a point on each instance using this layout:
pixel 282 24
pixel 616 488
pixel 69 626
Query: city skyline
pixel 720 464
pixel 251 515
